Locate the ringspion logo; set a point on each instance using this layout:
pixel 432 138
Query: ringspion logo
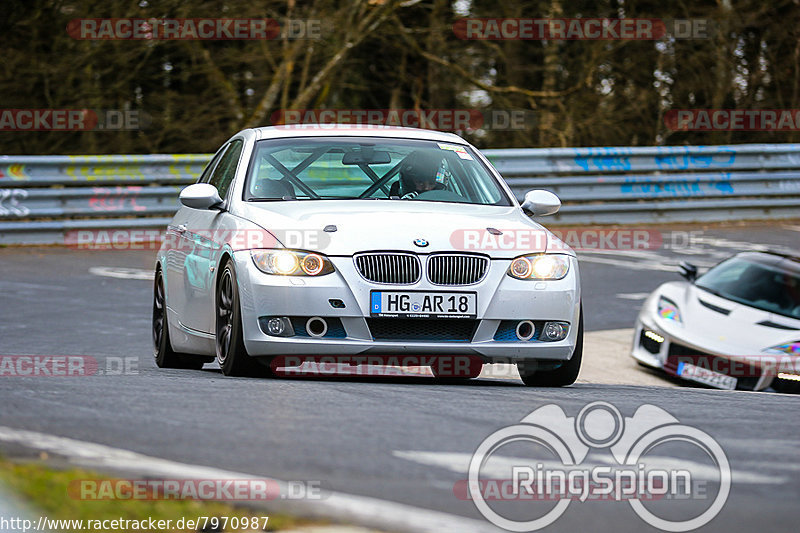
pixel 598 455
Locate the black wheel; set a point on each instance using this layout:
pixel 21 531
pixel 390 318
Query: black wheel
pixel 566 374
pixel 231 353
pixel 165 356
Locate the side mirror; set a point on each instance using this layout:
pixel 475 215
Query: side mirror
pixel 540 203
pixel 200 196
pixel 687 270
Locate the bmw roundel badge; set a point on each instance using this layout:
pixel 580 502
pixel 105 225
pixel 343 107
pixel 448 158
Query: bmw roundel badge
pixel 422 243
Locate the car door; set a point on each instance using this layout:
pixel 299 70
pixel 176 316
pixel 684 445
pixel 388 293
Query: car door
pixel 180 247
pixel 206 234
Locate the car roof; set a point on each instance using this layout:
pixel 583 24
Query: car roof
pixel 354 130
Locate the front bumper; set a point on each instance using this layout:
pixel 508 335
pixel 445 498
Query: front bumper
pixel 663 349
pixel 500 299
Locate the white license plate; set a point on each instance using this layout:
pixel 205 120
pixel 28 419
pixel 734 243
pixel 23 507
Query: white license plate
pixel 705 376
pixel 418 304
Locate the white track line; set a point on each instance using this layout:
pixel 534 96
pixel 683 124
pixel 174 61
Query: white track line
pixel 633 295
pixel 122 272
pixel 337 506
pixel 500 466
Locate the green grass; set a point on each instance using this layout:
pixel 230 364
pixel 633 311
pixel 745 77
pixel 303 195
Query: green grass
pixel 47 491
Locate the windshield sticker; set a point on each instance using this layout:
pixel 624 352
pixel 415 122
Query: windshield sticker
pixel 459 150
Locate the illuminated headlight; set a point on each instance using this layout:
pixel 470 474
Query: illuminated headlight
pixel 653 336
pixel 668 310
pixel 542 266
pixel 292 263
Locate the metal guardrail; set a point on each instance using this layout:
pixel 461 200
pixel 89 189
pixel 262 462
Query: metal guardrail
pixel 634 185
pixel 44 197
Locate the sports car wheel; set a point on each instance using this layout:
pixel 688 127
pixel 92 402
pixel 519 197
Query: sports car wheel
pixel 162 348
pixel 564 375
pixel 231 353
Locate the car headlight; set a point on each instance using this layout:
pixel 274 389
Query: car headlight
pixel 788 367
pixel 668 310
pixel 292 263
pixel 789 348
pixel 540 266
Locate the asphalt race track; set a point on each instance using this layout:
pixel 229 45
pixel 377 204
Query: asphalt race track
pixel 406 439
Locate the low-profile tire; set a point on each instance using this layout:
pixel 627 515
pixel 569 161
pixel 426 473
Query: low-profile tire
pixel 165 356
pixel 232 355
pixel 564 375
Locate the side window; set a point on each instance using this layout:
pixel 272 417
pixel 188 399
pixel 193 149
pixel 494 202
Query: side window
pixel 210 167
pixel 222 178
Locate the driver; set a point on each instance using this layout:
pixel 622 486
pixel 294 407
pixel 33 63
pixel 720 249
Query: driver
pixel 422 171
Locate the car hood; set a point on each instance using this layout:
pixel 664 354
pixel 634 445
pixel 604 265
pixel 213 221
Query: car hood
pixel 743 331
pixel 363 225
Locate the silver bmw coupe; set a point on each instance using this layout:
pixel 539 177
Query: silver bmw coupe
pixel 361 242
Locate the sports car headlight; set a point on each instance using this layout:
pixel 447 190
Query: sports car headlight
pixel 292 263
pixel 789 348
pixel 668 310
pixel 540 266
pixel 788 367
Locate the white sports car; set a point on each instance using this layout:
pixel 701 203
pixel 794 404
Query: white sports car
pixel 352 242
pixel 735 327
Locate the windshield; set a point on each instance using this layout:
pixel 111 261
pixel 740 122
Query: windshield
pixel 764 285
pixel 334 168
